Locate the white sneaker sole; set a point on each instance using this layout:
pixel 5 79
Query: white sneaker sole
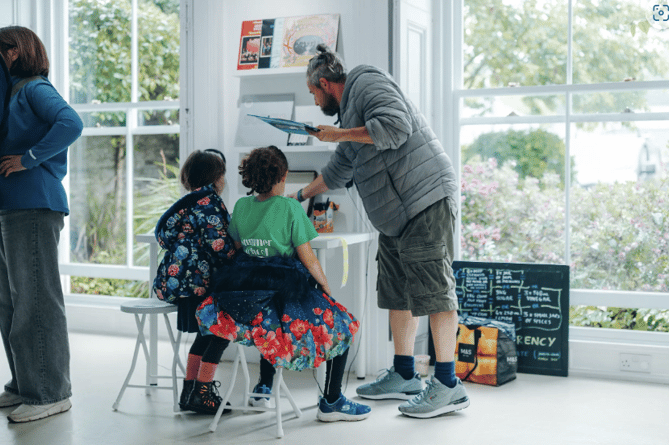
pixel 261 403
pixel 389 395
pixel 337 416
pixel 56 409
pixel 438 412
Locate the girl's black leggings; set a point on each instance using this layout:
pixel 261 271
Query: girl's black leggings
pixel 210 347
pixel 334 375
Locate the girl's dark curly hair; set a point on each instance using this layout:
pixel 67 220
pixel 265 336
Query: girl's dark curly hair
pixel 262 169
pixel 202 168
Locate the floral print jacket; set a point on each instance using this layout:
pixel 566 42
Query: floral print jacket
pixel 194 233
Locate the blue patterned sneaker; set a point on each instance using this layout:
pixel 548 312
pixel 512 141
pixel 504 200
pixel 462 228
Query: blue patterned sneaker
pixel 391 385
pixel 436 399
pixel 342 409
pixel 260 401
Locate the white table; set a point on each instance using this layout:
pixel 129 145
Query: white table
pixel 331 241
pixel 321 244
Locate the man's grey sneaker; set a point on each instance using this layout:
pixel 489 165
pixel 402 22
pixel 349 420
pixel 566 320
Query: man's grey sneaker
pixel 28 413
pixel 391 385
pixel 342 409
pixel 9 399
pixel 436 399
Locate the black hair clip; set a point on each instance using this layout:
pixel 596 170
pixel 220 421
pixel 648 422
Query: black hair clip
pixel 213 150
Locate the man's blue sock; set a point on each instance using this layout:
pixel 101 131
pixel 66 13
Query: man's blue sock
pixel 445 373
pixel 404 366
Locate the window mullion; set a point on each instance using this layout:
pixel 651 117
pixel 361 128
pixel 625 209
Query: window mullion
pixel 567 179
pixel 454 21
pixel 131 124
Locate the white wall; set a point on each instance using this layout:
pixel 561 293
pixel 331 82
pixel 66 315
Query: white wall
pixel 15 12
pixel 7 7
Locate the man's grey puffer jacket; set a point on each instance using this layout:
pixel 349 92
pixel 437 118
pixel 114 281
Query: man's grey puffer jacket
pixel 406 170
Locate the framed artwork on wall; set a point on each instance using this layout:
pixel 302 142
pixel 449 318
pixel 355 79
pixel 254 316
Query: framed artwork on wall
pixel 285 41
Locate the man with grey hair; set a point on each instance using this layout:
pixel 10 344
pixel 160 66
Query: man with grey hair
pixel 408 187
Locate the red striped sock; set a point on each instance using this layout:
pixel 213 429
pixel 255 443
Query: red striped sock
pixel 207 371
pixel 193 366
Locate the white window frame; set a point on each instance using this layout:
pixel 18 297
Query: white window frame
pixel 452 121
pixel 56 27
pixel 448 38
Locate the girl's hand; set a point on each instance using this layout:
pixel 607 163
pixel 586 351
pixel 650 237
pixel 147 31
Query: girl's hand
pixel 306 255
pixel 10 164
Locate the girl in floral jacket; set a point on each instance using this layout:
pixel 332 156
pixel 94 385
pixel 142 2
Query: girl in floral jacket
pixel 194 234
pixel 275 296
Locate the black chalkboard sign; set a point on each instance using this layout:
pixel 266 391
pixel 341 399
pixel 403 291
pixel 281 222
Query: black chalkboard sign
pixel 533 297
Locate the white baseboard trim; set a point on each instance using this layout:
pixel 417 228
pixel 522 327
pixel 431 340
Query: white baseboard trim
pixel 596 353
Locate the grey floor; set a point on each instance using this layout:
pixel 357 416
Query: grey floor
pixel 530 410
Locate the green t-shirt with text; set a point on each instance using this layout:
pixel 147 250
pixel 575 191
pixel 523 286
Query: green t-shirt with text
pixel 273 227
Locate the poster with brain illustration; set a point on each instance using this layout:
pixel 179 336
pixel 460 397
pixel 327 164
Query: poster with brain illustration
pixel 286 41
pixel 301 36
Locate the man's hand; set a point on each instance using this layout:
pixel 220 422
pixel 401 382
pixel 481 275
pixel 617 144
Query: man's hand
pixel 10 164
pixel 328 133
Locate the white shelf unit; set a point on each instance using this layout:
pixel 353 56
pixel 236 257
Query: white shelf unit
pixel 316 148
pixel 273 72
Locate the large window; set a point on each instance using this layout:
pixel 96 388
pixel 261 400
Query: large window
pixel 564 136
pixel 124 83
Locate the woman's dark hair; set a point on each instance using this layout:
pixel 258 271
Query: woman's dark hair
pixel 327 64
pixel 262 169
pixel 32 58
pixel 202 168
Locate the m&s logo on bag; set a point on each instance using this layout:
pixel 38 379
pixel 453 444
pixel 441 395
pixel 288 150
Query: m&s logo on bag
pixel 466 353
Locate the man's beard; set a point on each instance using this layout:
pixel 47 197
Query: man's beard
pixel 331 107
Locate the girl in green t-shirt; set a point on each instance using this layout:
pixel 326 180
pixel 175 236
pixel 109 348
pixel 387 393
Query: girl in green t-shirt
pixel 268 224
pixel 300 326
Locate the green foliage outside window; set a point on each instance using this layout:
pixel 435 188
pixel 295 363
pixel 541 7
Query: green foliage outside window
pixel 525 44
pixel 534 152
pixel 100 72
pixel 100 51
pixel 619 234
pixel 160 194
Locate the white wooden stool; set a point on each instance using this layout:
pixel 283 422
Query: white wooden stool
pixel 277 387
pixel 144 307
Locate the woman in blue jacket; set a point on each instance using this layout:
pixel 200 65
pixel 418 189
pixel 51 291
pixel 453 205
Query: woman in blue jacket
pixel 33 205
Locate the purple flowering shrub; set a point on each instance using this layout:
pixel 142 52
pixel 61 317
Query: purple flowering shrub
pixel 508 219
pixel 619 233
